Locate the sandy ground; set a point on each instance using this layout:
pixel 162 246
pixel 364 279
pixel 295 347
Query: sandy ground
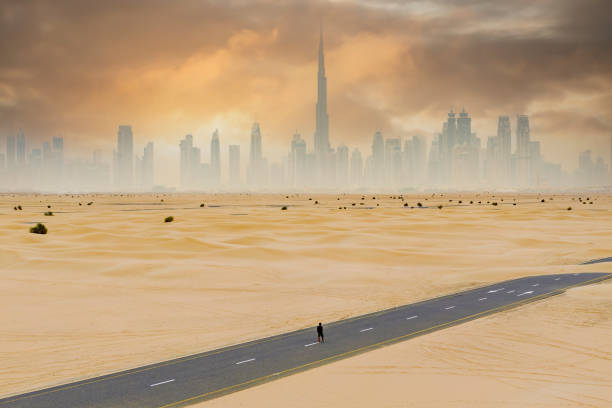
pixel 111 286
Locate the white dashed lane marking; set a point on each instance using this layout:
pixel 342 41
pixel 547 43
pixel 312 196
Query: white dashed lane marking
pixel 160 383
pixel 310 344
pixel 246 361
pixel 450 307
pixel 495 290
pixel 481 299
pixel 365 330
pixel 525 293
pixel 411 317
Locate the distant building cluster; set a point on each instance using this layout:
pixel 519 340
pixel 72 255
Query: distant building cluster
pixel 455 160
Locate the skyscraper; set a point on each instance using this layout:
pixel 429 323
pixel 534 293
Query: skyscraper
pixel 522 149
pixel 257 169
pixel 147 167
pixel 356 168
pixel 378 159
pixel 504 144
pixel 10 151
pixel 124 158
pixel 297 161
pixel 20 151
pixel 464 128
pixel 342 166
pixel 190 163
pixel 215 158
pixel 321 142
pixel 234 165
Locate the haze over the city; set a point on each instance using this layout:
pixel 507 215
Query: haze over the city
pixel 77 73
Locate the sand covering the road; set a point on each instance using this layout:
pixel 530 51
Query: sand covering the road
pixel 111 286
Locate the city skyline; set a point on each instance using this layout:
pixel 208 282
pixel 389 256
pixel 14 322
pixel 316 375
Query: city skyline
pixel 391 66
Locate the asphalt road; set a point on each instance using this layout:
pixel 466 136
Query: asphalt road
pixel 195 378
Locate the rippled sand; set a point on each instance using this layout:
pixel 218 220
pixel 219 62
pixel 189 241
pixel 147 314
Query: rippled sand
pixel 112 286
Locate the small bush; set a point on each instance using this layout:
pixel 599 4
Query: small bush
pixel 201 205
pixel 80 204
pixel 460 201
pixel 471 202
pixel 353 204
pixel 569 208
pixel 439 207
pixel 39 229
pixel 169 219
pixel 513 203
pixel 15 208
pixel 542 200
pixel 316 202
pixel 90 203
pixel 49 213
pixel 494 203
pixel 19 208
pixel 284 207
pixel 405 204
pixel 419 205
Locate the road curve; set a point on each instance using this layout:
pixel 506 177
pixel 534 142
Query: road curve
pixel 191 379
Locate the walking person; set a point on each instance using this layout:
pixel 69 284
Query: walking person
pixel 320 337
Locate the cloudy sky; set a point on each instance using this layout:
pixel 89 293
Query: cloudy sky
pixel 168 68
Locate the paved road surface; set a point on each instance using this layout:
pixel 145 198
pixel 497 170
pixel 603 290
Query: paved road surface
pixel 191 379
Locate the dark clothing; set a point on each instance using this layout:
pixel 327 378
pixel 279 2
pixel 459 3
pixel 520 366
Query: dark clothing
pixel 320 330
pixel 320 337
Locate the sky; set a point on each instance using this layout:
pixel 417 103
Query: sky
pixel 80 69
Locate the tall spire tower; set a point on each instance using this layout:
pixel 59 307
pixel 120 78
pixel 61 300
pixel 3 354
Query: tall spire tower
pixel 321 142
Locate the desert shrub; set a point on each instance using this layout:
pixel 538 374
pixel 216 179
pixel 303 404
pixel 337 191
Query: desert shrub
pixel 439 207
pixel 405 204
pixel 471 202
pixel 569 208
pixel 49 213
pixel 19 208
pixel 494 203
pixel 201 205
pixel 169 219
pixel 353 204
pixel 90 203
pixel 542 200
pixel 38 229
pixel 316 202
pixel 284 207
pixel 419 205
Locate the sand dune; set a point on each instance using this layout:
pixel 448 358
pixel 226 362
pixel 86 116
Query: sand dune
pixel 112 286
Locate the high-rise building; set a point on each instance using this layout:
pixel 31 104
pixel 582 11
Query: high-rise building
pixel 257 172
pixel 321 142
pixel 378 160
pixel 504 135
pixel 124 158
pixel 464 128
pixel 58 146
pixel 10 151
pixel 147 172
pixel 215 158
pixel 393 161
pixel 342 166
pixel 234 165
pixel 297 161
pixel 189 162
pixel 523 138
pixel 20 151
pixel 356 168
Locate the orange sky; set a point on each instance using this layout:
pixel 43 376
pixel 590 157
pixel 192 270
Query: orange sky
pixel 171 68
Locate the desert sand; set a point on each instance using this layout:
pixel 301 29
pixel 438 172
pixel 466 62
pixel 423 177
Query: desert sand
pixel 111 286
